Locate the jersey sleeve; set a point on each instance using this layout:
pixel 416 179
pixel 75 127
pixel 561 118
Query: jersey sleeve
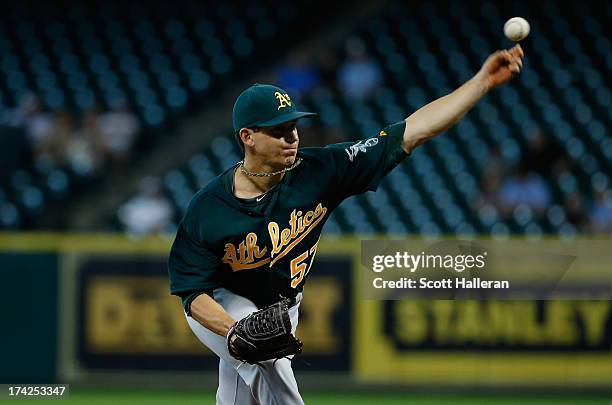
pixel 361 165
pixel 189 297
pixel 191 264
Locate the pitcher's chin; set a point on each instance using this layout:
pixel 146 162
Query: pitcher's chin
pixel 289 160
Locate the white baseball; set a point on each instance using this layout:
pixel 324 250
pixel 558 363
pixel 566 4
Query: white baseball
pixel 516 29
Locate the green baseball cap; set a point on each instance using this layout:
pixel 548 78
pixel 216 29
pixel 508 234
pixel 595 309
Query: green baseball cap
pixel 264 105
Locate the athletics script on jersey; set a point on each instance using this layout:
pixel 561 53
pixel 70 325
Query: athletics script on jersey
pixel 249 255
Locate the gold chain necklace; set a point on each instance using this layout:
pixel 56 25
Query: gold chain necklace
pixel 252 174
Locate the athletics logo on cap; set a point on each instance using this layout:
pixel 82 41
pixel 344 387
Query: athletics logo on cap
pixel 284 99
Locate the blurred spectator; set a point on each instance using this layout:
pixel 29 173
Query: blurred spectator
pixel 494 169
pixel 147 212
pixel 299 76
pixel 118 130
pixel 496 164
pixel 575 211
pixel 37 123
pixel 489 194
pixel 528 188
pixel 52 151
pixel 561 167
pixel 600 212
pixel 359 75
pixel 541 154
pixel 327 60
pixel 84 153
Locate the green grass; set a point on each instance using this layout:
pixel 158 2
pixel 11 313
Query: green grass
pixel 187 397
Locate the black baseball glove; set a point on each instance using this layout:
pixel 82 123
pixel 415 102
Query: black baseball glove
pixel 264 335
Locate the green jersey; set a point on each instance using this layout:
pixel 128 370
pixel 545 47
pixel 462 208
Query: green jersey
pixel 263 247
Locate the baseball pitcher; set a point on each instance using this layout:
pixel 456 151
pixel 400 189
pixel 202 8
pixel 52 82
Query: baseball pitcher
pixel 246 244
